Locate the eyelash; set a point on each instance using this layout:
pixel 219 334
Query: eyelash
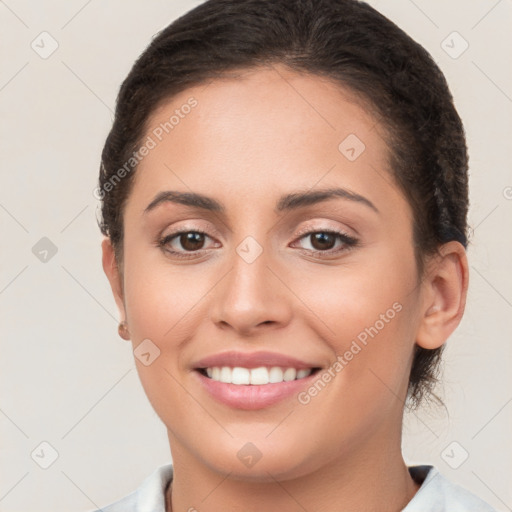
pixel 348 241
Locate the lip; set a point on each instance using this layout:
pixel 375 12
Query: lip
pixel 234 358
pixel 252 397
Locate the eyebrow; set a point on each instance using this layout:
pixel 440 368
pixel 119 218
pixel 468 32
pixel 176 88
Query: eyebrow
pixel 288 202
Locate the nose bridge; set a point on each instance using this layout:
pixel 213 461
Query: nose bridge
pixel 250 294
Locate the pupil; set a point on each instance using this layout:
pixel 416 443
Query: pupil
pixel 322 237
pixel 189 240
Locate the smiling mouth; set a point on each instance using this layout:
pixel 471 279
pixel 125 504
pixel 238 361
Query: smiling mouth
pixel 255 376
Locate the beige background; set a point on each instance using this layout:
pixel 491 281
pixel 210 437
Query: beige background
pixel 67 379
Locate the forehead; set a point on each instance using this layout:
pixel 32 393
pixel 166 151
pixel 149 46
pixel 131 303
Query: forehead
pixel 269 100
pixel 262 127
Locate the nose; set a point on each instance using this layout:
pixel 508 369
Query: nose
pixel 250 297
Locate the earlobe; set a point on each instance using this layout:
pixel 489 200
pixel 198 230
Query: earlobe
pixel 445 292
pixel 111 269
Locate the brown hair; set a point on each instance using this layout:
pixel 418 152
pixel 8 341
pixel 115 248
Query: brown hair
pixel 346 41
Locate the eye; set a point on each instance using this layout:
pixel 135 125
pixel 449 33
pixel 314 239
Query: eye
pixel 324 241
pixel 190 241
pixel 189 244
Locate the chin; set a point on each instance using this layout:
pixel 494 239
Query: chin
pixel 260 462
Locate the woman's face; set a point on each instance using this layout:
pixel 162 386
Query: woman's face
pixel 262 148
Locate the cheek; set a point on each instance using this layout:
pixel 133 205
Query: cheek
pixel 364 388
pixel 161 303
pixel 367 315
pixel 160 297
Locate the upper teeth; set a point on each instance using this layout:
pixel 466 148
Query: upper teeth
pixel 257 376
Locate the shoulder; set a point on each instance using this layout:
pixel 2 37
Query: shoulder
pixel 150 495
pixel 438 494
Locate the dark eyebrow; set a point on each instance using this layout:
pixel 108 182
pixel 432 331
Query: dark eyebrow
pixel 306 198
pixel 186 198
pixel 291 201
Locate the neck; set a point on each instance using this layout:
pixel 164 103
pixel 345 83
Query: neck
pixel 373 477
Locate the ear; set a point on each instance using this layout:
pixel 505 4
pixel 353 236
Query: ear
pixel 113 274
pixel 444 295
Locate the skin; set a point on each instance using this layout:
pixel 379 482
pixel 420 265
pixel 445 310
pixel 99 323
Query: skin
pixel 250 140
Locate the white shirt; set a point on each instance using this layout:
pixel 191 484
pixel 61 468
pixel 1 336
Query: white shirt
pixel 436 494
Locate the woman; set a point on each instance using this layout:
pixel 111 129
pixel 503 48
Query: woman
pixel 284 200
